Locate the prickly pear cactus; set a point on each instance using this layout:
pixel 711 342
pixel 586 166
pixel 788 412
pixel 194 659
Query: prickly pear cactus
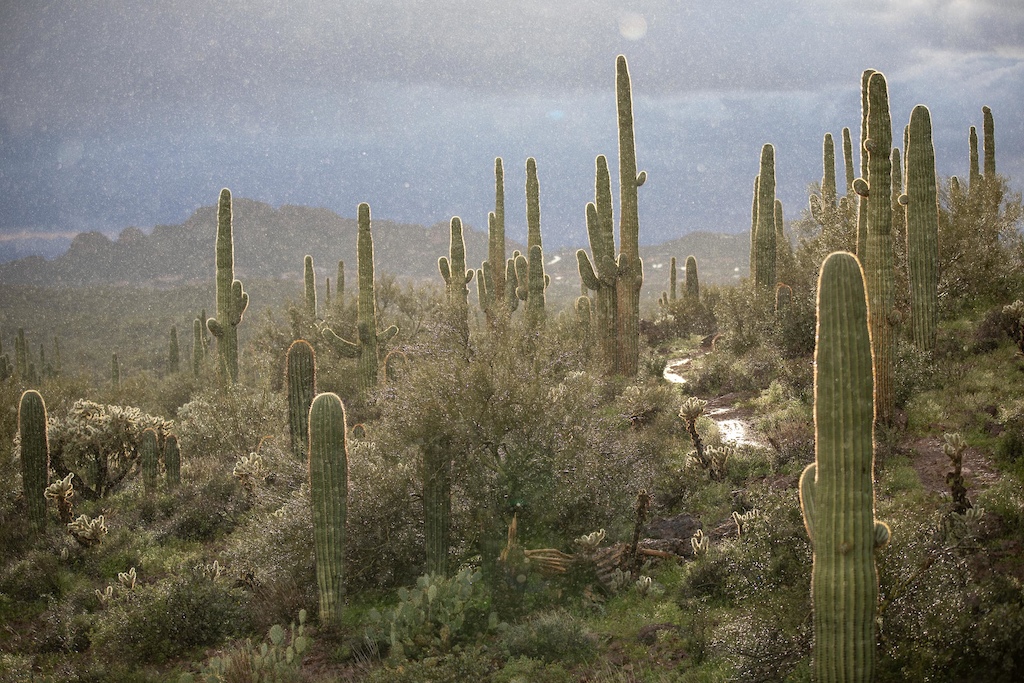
pixel 328 487
pixel 837 490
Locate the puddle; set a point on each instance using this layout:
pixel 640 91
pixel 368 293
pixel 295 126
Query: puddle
pixel 734 430
pixel 674 368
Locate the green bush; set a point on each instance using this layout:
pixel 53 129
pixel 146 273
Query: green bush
pixel 159 622
pixel 550 637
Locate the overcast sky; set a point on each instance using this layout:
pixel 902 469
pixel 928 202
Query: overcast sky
pixel 121 113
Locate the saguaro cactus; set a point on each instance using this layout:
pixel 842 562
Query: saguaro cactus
pixel 300 370
pixel 765 240
pixel 630 267
pixel 848 160
pixel 672 279
pixel 198 347
pixel 530 268
pixel 35 456
pixel 862 214
pixel 456 280
pixel 837 490
pixel 149 458
pixel 877 256
pixel 437 505
pixel 172 461
pixel 692 285
pixel 173 356
pixel 231 298
pixel 328 488
pixel 988 127
pixel 601 274
pixel 309 286
pixel 922 229
pixel 491 275
pixel 367 347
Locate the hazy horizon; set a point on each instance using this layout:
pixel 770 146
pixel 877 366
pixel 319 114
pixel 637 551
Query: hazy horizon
pixel 115 115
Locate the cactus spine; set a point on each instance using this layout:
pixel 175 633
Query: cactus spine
pixel 630 267
pixel 692 285
pixel 174 357
pixel 922 229
pixel 837 491
pixel 765 237
pixel 328 488
pixel 149 458
pixel 456 280
pixel 172 461
pixel 877 257
pixel 300 368
pixel 231 298
pixel 367 348
pixel 309 286
pixel 35 456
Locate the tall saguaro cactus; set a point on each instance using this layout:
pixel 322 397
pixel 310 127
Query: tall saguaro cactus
pixel 35 456
pixel 231 298
pixel 988 127
pixel 862 214
pixel 172 461
pixel 692 285
pixel 529 268
pixel 309 286
pixel 601 275
pixel 765 239
pixel 173 356
pixel 149 458
pixel 922 229
pixel 456 280
pixel 877 256
pixel 630 267
pixel 437 505
pixel 491 280
pixel 837 490
pixel 328 489
pixel 367 347
pixel 300 364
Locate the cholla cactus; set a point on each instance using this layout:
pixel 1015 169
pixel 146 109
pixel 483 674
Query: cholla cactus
pixel 88 532
pixel 590 542
pixel 250 471
pixel 690 411
pixel 104 596
pixel 954 447
pixel 700 543
pixel 100 444
pixel 743 519
pixel 127 579
pixel 619 579
pixel 61 492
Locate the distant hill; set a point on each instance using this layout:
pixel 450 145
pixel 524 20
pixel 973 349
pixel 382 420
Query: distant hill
pixel 271 243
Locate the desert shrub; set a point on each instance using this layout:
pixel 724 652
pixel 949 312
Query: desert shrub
pixel 519 669
pixel 472 663
pixel 550 637
pixel 228 422
pixel 206 510
pixel 913 372
pixel 167 620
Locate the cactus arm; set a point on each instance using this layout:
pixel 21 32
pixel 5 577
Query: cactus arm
pixel 342 346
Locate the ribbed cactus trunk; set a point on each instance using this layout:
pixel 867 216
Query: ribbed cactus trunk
pixel 862 214
pixel 231 299
pixel 172 461
pixel 630 268
pixel 300 362
pixel 149 458
pixel 437 506
pixel 837 491
pixel 922 230
pixel 35 457
pixel 530 268
pixel 174 354
pixel 828 178
pixel 988 144
pixel 491 280
pixel 974 172
pixel 328 489
pixel 367 346
pixel 672 279
pixel 198 348
pixel 877 257
pixel 600 275
pixel 456 280
pixel 765 248
pixel 753 229
pixel 848 161
pixel 309 286
pixel 692 285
